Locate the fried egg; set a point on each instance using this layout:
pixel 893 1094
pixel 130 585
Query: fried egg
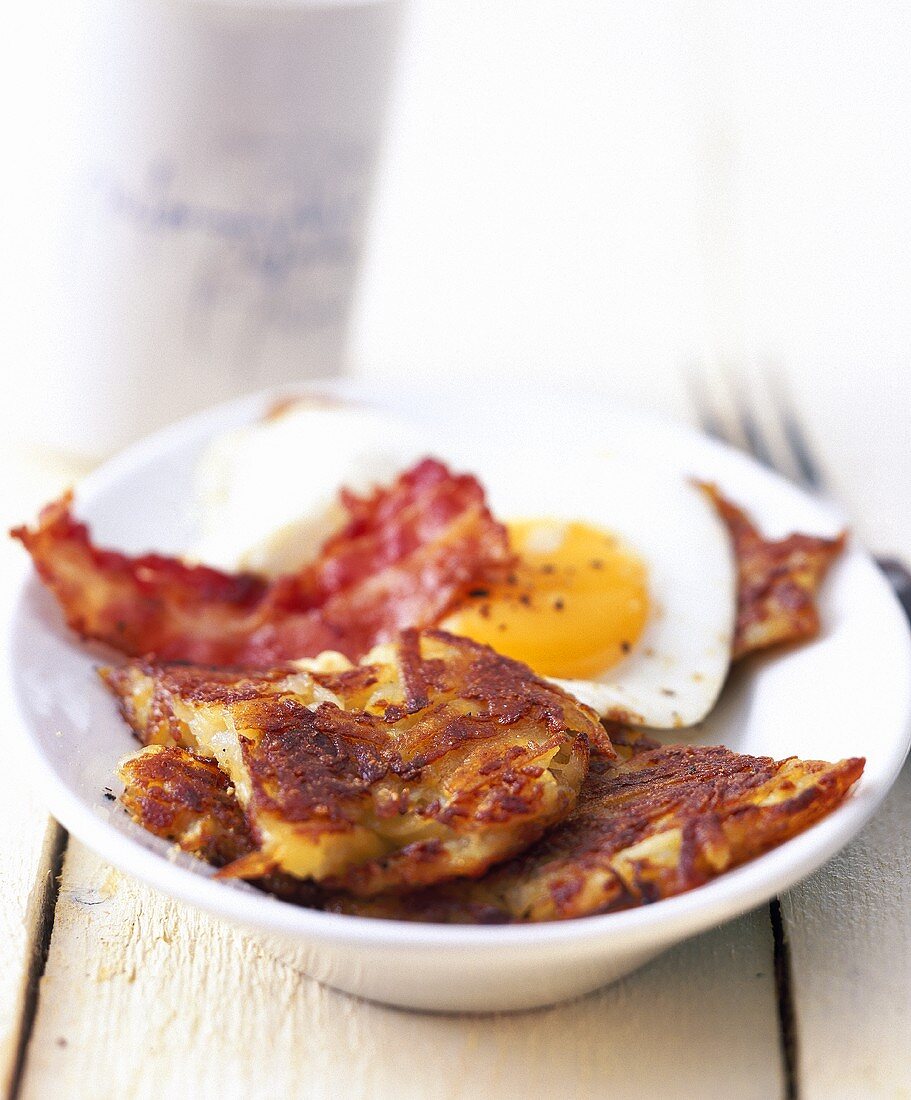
pixel 624 591
pixel 624 585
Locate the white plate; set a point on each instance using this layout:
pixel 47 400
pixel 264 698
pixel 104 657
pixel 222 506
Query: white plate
pixel 846 694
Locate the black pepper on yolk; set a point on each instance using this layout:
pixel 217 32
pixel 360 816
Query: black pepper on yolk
pixel 575 604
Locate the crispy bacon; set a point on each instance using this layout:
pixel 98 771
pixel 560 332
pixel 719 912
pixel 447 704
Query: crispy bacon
pixel 777 581
pixel 404 557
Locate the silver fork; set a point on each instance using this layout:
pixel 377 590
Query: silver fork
pixel 770 430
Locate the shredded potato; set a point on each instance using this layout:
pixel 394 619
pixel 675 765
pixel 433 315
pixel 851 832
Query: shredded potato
pixel 434 758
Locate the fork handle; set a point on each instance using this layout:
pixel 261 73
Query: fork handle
pixel 898 575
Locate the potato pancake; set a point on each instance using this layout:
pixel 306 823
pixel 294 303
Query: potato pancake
pixel 188 800
pixel 659 821
pixel 777 581
pixel 432 759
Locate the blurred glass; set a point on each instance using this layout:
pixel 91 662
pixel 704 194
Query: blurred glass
pixel 210 213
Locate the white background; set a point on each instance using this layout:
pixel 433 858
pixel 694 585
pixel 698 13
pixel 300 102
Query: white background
pixel 595 188
pixel 606 192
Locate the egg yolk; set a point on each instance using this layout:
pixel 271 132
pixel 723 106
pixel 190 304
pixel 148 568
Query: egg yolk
pixel 574 605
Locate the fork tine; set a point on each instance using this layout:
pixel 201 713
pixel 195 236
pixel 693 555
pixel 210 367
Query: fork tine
pixel 738 425
pixel 808 471
pixel 810 474
pixel 779 444
pixel 709 421
pixel 756 441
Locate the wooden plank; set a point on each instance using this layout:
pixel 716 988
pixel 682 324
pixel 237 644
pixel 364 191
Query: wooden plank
pixel 849 934
pixel 26 907
pixel 27 865
pixel 170 1002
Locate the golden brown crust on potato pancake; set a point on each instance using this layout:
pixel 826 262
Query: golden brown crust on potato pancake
pixel 777 581
pixel 658 822
pixel 654 824
pixel 186 799
pixel 434 759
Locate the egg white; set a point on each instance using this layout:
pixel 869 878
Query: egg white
pixel 267 494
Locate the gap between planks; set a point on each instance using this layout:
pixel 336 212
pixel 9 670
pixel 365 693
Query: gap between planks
pixel 39 927
pixel 784 989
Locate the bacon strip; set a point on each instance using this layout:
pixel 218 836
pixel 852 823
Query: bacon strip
pixel 777 581
pixel 403 559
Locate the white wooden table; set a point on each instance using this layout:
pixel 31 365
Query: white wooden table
pixel 107 987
